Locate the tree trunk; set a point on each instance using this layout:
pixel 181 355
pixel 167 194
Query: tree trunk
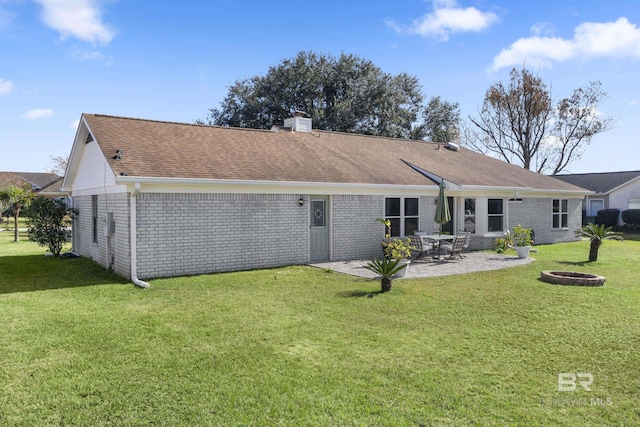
pixel 593 251
pixel 386 284
pixel 16 235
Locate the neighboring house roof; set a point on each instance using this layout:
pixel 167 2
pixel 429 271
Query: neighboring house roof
pixel 602 183
pixel 54 188
pixel 37 180
pixel 177 150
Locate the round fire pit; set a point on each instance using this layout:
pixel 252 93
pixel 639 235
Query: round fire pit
pixel 571 278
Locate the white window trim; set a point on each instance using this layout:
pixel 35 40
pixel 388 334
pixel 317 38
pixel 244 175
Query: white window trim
pixel 503 215
pixel 474 215
pixel 560 213
pixel 402 216
pixel 482 216
pixel 633 201
pixel 590 213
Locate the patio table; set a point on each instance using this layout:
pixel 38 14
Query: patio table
pixel 436 239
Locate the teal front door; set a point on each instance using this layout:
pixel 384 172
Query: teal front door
pixel 319 226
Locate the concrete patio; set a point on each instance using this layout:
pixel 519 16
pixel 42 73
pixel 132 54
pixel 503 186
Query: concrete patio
pixel 428 267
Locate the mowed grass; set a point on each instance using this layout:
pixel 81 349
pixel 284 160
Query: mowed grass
pixel 302 346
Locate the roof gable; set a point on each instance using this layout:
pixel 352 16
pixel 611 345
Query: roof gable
pixel 175 150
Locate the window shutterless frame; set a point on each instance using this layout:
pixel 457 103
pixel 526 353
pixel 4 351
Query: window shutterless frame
pixel 403 214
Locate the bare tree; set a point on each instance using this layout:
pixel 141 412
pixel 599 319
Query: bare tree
pixel 520 124
pixel 59 165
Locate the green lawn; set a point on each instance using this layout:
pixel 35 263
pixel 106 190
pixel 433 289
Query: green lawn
pixel 301 346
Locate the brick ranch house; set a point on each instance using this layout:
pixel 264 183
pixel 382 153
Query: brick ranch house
pixel 160 199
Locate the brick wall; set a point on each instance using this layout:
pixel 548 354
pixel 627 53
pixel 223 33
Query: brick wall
pixel 111 250
pixel 427 210
pixel 356 233
pixel 183 234
pixel 536 213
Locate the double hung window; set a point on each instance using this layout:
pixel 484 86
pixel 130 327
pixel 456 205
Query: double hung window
pixel 560 213
pixel 495 215
pixel 403 214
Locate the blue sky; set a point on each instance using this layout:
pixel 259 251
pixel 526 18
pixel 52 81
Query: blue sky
pixel 174 60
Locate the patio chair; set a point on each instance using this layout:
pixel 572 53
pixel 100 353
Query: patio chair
pixel 455 247
pixel 420 247
pixel 467 234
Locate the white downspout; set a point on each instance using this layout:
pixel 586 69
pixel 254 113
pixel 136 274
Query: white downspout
pixel 134 267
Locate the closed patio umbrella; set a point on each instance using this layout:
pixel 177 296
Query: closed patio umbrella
pixel 442 215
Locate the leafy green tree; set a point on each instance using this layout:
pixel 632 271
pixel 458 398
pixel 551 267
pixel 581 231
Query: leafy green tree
pixel 597 234
pixel 441 121
pixel 17 198
pixel 345 93
pixel 521 124
pixel 50 223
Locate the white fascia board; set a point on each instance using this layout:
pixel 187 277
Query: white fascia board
pixel 521 191
pixel 74 157
pixel 557 193
pixel 190 185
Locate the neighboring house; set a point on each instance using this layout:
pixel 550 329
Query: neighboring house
pixel 612 190
pixel 36 180
pixel 166 199
pixel 44 184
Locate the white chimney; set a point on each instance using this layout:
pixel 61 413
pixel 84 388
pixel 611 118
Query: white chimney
pixel 297 123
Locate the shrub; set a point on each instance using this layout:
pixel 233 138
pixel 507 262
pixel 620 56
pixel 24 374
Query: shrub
pixel 608 217
pixel 521 236
pixel 49 224
pixel 631 217
pixel 502 244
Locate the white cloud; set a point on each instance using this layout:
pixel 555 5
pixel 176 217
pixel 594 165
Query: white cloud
pixel 83 55
pixel 38 113
pixel 74 124
pixel 633 102
pixel 6 86
pixel 447 18
pixel 590 40
pixel 80 19
pixel 541 28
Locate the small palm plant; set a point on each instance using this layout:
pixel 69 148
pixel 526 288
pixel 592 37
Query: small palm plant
pixel 597 234
pixel 386 268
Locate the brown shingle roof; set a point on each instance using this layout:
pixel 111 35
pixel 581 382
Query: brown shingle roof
pixel 175 150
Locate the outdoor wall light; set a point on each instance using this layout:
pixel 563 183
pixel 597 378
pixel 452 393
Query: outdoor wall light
pixel 301 201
